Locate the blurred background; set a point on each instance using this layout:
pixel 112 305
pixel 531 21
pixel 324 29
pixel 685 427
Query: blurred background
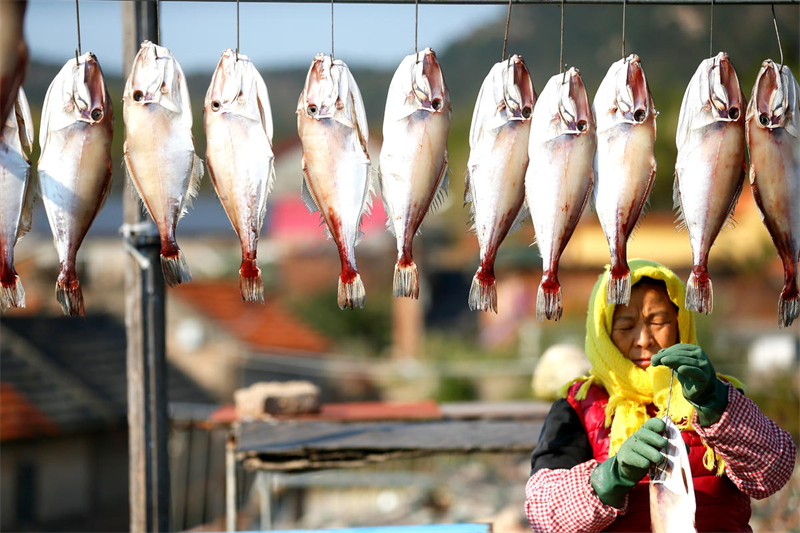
pixel 63 457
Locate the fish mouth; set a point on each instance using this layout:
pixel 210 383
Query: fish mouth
pixel 769 97
pixel 226 83
pixel 316 104
pixel 574 107
pixel 522 98
pixel 636 83
pixel 95 86
pixel 727 99
pixel 429 85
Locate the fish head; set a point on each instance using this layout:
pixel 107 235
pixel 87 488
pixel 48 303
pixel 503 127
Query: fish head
pixel 518 94
pixel 234 88
pixel 89 90
pixel 428 88
pixel 633 102
pixel 155 79
pixel 725 99
pixel 574 111
pixel 323 93
pixel 774 100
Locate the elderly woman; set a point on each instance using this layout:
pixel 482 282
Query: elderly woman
pixel 589 469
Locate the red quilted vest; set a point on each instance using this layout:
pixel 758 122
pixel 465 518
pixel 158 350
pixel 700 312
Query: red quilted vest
pixel 720 505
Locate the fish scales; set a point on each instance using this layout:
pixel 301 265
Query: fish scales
pixel 560 176
pixel 625 163
pixel 159 149
pixel 75 165
pixel 501 125
pixel 672 499
pixel 413 159
pixel 13 54
pixel 17 192
pixel 710 166
pixel 773 120
pixel 332 125
pixel 238 125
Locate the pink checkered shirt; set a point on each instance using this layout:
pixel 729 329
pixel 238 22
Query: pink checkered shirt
pixel 759 459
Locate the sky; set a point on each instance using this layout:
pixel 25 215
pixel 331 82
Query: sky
pixel 272 34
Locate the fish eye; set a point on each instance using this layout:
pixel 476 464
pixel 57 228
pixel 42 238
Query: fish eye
pixel 138 96
pixel 582 125
pixel 215 105
pixel 734 113
pixel 763 119
pixel 526 112
pixel 639 115
pixel 312 110
pixel 97 114
pixel 436 104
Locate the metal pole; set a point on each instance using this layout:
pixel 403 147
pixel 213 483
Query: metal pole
pixel 148 417
pixel 230 482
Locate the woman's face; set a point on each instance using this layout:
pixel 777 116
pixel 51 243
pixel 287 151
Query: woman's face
pixel 646 325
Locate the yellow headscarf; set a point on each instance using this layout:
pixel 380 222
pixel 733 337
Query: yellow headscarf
pixel 630 388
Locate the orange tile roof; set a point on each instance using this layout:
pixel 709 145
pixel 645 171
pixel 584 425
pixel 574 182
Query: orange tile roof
pixel 19 418
pixel 264 326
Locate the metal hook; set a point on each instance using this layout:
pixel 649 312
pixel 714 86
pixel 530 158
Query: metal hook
pixel 331 30
pixel 78 20
pixel 416 30
pixel 508 24
pixel 561 52
pixel 777 34
pixel 237 30
pixel 711 33
pixel 624 6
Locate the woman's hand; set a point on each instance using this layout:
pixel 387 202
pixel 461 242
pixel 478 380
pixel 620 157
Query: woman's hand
pixel 613 478
pixel 701 386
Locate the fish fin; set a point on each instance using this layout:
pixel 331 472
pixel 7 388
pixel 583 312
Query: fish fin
pixel 369 193
pixel 444 185
pixel 12 295
pixel 699 291
pixel 135 191
pixel 70 296
pixel 618 290
pixel 351 293
pixel 483 292
pixel 264 107
pixel 730 222
pixel 646 200
pixel 22 112
pixel 405 283
pixel 548 299
pixel 194 185
pixel 469 198
pixel 360 122
pixel 175 268
pixel 326 229
pixel 677 206
pixel 522 216
pixel 788 304
pixel 26 218
pixel 386 205
pixel 250 284
pixel 305 193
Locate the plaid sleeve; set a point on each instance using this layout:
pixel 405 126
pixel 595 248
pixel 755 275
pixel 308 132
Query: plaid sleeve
pixel 563 501
pixel 759 455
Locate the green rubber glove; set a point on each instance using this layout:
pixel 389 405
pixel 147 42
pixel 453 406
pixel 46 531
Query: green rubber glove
pixel 613 478
pixel 701 386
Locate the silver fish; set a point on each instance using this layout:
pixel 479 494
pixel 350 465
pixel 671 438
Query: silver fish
pixel 498 158
pixel 13 53
pixel 333 130
pixel 16 192
pixel 625 163
pixel 238 124
pixel 75 164
pixel 560 177
pixel 710 167
pixel 413 160
pixel 159 149
pixel 773 121
pixel 672 500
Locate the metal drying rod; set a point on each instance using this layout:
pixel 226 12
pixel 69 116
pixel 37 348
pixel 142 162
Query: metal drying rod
pixel 505 2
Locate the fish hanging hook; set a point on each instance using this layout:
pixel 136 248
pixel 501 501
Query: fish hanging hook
pixel 561 48
pixel 505 37
pixel 711 33
pixel 624 6
pixel 416 30
pixel 777 34
pixel 78 51
pixel 237 30
pixel 331 30
pixel 158 23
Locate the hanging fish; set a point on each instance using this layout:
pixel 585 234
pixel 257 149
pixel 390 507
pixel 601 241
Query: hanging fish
pixel 559 179
pixel 498 142
pixel 710 167
pixel 625 163
pixel 16 193
pixel 75 164
pixel 773 121
pixel 13 53
pixel 159 149
pixel 238 123
pixel 672 501
pixel 413 160
pixel 333 130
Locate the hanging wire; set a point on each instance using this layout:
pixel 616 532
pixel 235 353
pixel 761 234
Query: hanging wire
pixel 331 30
pixel 237 30
pixel 711 33
pixel 78 20
pixel 505 38
pixel 158 22
pixel 416 29
pixel 777 33
pixel 624 6
pixel 561 49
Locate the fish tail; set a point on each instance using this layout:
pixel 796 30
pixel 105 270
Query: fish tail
pixel 548 300
pixel 69 293
pixel 250 284
pixel 11 293
pixel 174 266
pixel 618 290
pixel 789 301
pixel 406 280
pixel 699 292
pixel 483 292
pixel 351 290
